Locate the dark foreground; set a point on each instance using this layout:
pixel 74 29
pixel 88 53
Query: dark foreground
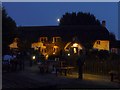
pixel 31 78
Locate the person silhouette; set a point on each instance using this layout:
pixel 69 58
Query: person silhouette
pixel 80 63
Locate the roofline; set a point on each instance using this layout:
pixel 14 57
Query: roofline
pixel 63 26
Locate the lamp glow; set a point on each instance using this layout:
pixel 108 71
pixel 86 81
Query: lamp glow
pixel 33 57
pixel 54 53
pixel 47 56
pixel 68 54
pixel 75 45
pixel 75 51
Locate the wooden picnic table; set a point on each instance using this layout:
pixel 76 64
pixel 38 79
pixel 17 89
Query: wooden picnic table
pixel 64 70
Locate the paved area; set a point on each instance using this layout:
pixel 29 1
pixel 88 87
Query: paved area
pixel 32 78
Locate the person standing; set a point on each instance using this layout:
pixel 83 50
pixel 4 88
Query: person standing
pixel 22 60
pixel 14 62
pixel 80 63
pixel 19 60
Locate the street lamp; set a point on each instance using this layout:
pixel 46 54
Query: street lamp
pixel 68 54
pixel 33 57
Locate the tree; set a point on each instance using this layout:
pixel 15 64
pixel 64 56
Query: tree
pixel 8 30
pixel 103 54
pixel 79 18
pixel 23 45
pixel 112 37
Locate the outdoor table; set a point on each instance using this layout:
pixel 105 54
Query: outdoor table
pixel 63 69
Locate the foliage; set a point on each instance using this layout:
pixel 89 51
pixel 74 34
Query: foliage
pixel 95 55
pixel 52 57
pixel 112 36
pixel 23 45
pixel 103 54
pixel 79 18
pixel 114 56
pixel 8 30
pixel 88 45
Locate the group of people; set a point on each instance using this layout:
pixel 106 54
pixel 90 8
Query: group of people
pixel 13 62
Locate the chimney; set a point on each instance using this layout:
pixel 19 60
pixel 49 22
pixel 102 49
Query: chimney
pixel 104 23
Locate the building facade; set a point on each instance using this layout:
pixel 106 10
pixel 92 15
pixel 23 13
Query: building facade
pixel 51 40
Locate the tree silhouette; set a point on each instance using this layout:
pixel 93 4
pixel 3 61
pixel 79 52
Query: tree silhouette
pixel 8 30
pixel 23 45
pixel 112 37
pixel 112 40
pixel 79 18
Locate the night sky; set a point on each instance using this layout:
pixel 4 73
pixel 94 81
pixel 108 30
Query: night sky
pixel 46 14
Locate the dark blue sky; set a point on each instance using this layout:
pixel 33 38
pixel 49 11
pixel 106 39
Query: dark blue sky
pixel 44 14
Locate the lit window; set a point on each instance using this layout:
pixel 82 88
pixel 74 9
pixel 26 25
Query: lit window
pixel 75 50
pixel 56 39
pixel 98 42
pixel 44 50
pixel 54 53
pixel 75 45
pixel 55 48
pixel 43 39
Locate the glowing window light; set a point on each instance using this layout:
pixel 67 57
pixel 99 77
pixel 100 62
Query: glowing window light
pixel 54 53
pixel 75 51
pixel 75 45
pixel 47 56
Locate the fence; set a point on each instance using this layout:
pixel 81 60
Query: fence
pixel 101 67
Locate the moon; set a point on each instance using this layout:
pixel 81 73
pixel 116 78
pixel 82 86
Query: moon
pixel 58 20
